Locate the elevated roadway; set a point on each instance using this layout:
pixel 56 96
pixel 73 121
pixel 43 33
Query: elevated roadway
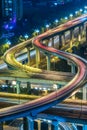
pixel 34 107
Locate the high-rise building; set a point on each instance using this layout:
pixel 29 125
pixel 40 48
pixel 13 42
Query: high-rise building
pixel 12 9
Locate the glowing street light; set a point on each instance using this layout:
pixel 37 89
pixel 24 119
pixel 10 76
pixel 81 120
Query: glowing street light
pixel 66 18
pixel 8 42
pixel 37 31
pixel 85 11
pixel 56 21
pixel 81 10
pixel 76 12
pixel 85 7
pixel 71 15
pixel 26 36
pixel 47 26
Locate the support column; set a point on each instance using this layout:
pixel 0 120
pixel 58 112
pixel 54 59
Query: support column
pixel 18 87
pixel 86 33
pixel 39 124
pixel 72 66
pixel 28 123
pixel 49 126
pixel 37 57
pixel 29 87
pixel 1 126
pixel 60 41
pixel 48 61
pixel 79 35
pixel 85 92
pixel 64 39
pixel 83 31
pixel 55 125
pixel 52 41
pixel 84 127
pixel 71 37
pixel 28 53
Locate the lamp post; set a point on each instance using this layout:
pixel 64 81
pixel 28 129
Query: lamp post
pixel 37 31
pixel 56 22
pixel 26 36
pixel 47 26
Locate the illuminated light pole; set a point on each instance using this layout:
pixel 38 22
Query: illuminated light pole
pixel 66 18
pixel 81 10
pixel 8 42
pixel 76 13
pixel 85 11
pixel 14 85
pixel 56 22
pixel 37 31
pixel 71 16
pixel 26 36
pixel 47 26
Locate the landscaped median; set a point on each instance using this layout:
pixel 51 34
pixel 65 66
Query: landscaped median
pixel 18 96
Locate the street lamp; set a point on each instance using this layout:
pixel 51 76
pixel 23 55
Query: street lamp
pixel 37 31
pixel 85 7
pixel 81 10
pixel 76 12
pixel 26 36
pixel 47 26
pixel 71 15
pixel 66 18
pixel 56 22
pixel 8 42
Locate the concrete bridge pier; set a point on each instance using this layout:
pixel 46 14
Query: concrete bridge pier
pixel 83 30
pixel 60 41
pixel 28 123
pixel 52 41
pixel 84 91
pixel 72 67
pixel 86 33
pixel 71 37
pixel 28 54
pixel 79 35
pixel 1 126
pixel 48 61
pixel 18 86
pixel 63 39
pixel 37 57
pixel 55 124
pixel 39 124
pixel 85 127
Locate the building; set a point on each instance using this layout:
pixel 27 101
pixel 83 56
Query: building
pixel 12 9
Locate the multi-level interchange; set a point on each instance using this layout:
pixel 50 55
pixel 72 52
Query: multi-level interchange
pixel 31 109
